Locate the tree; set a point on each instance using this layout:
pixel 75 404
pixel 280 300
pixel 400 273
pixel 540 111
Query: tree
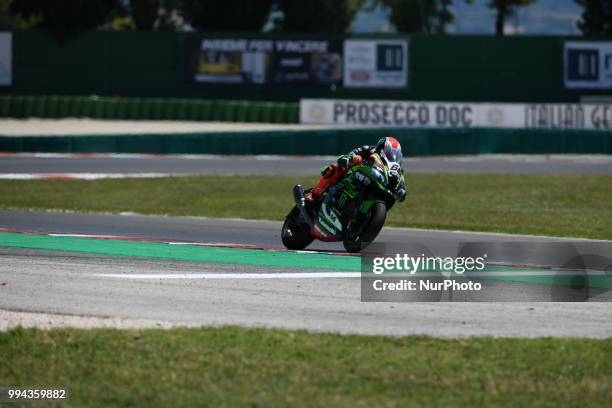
pixel 444 15
pixel 144 13
pixel 317 16
pixel 413 16
pixel 596 18
pixel 9 21
pixel 420 16
pixel 226 15
pixel 505 9
pixel 64 17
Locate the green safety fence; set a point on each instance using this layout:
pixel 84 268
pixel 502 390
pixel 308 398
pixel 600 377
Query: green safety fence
pixel 53 106
pixel 415 142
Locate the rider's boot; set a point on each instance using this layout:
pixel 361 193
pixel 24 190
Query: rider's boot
pixel 329 176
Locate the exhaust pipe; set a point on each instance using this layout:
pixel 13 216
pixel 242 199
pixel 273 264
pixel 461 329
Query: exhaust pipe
pixel 300 203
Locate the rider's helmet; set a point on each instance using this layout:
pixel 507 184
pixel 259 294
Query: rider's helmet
pixel 390 149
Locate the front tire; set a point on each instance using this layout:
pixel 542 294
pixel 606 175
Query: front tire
pixel 373 224
pixel 295 234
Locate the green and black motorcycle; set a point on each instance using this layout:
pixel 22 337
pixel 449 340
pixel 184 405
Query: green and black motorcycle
pixel 353 210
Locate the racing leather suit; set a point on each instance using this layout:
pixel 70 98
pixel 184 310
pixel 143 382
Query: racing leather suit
pixel 332 173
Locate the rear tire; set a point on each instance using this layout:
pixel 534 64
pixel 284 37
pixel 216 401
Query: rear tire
pixel 377 216
pixel 295 235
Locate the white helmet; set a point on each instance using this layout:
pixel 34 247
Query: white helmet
pixel 390 148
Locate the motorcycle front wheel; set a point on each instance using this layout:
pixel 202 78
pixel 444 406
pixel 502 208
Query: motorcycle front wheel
pixel 295 234
pixel 369 231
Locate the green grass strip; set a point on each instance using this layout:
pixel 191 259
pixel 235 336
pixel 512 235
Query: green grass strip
pixel 194 253
pixel 230 366
pixel 554 205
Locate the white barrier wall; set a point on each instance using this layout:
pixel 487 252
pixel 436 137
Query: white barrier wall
pixel 455 115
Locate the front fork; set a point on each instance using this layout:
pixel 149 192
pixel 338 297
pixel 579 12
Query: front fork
pixel 300 203
pixel 357 217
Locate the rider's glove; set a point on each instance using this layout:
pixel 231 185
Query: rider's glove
pixel 401 194
pixel 343 161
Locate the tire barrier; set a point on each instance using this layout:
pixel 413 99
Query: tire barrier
pixel 53 106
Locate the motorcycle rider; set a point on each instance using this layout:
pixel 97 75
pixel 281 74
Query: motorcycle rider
pixel 387 148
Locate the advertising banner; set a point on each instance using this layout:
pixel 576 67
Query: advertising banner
pixel 455 115
pixel 264 61
pixel 588 65
pixel 376 63
pixel 234 61
pixel 6 55
pixel 307 62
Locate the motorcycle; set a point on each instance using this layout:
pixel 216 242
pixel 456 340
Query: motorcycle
pixel 352 211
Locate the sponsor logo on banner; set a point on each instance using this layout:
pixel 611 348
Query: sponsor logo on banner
pixel 376 63
pixel 232 60
pixel 260 61
pixel 588 65
pixel 6 54
pixel 455 115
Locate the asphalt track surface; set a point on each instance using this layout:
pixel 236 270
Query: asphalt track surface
pixel 73 283
pixel 293 166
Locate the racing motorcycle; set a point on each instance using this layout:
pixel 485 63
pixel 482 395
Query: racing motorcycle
pixel 352 211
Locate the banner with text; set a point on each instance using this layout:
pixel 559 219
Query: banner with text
pixel 376 63
pixel 6 55
pixel 588 65
pixel 264 61
pixel 455 115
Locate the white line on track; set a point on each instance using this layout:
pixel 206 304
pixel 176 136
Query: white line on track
pixel 335 275
pixel 83 236
pixel 284 275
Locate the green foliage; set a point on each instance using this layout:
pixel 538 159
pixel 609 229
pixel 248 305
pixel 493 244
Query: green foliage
pixel 144 13
pixel 121 23
pixel 413 16
pixel 63 17
pixel 505 9
pixel 226 15
pixel 596 18
pixel 317 16
pixel 420 16
pixel 9 21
